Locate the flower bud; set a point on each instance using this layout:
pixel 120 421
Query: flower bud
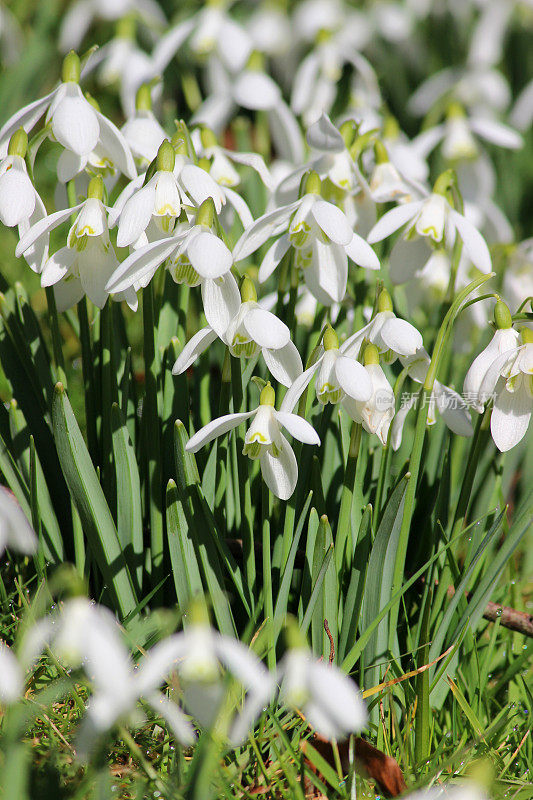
pixel 204 163
pixel 380 153
pixel 206 213
pixel 248 293
pixel 207 137
pixel 348 131
pixel 18 144
pixel 444 182
pixel 502 316
pixel 330 340
pixel 311 183
pixel 166 157
pixel 95 190
pixel 143 98
pixel 384 301
pixel 371 355
pixel 256 62
pixel 267 396
pixel 92 100
pixel 71 68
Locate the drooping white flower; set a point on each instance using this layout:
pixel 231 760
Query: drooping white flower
pixel 253 329
pixel 141 130
pixel 322 238
pixel 74 122
pixel 202 659
pixel 376 413
pixel 83 634
pixel 265 441
pixel 518 275
pixel 433 218
pixel 505 341
pixel 339 378
pixel 330 701
pixel 16 532
pixel 84 265
pixel 17 192
pixel 195 256
pixel 80 16
pixel 11 681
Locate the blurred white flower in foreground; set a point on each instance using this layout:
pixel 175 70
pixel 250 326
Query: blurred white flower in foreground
pixel 251 329
pixel 330 701
pixel 16 532
pixel 265 441
pixel 11 682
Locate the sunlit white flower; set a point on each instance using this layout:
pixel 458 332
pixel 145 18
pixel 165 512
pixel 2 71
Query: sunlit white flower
pixel 142 131
pixel 518 275
pixel 434 219
pixel 476 87
pixel 74 123
pixel 86 262
pixel 330 701
pixel 376 413
pixel 322 238
pixel 17 192
pixel 251 330
pixel 16 532
pixel 11 681
pixel 265 441
pixel 195 256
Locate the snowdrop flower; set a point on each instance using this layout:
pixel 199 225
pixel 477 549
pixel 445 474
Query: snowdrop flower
pixel 265 441
pixel 209 32
pixel 81 14
pixel 339 378
pixel 252 330
pixel 330 701
pixel 17 193
pixel 321 237
pixel 480 89
pixel 452 407
pixel 202 657
pixel 142 131
pixel 88 259
pixel 433 218
pixel 196 257
pixel 458 135
pixel 386 183
pixel 504 341
pixel 75 123
pixel 11 681
pixel 376 413
pixel 15 531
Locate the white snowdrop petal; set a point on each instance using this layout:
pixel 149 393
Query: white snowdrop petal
pixel 136 215
pixel 17 197
pixel 57 266
pixel 199 185
pixel 253 160
pixel 194 348
pixel 272 257
pixel 399 421
pixel 262 229
pixel 74 122
pixel 353 378
pixel 209 255
pixel 256 90
pixel 266 329
pixel 497 133
pixel 510 418
pixel 174 716
pixel 407 257
pixel 234 45
pixel 42 227
pixel 215 428
pixel 296 390
pixel 502 341
pixel 122 199
pixel 68 293
pixel 69 164
pixel 361 253
pixel 221 299
pixel 323 135
pixel 329 269
pixel 240 206
pixel 284 364
pixel 392 220
pixel 401 337
pixel 304 81
pixel 26 118
pixel 141 263
pixel 454 410
pixel 341 696
pixel 116 147
pixel 280 473
pixel 332 221
pixel 473 241
pixel 286 133
pixel 298 427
